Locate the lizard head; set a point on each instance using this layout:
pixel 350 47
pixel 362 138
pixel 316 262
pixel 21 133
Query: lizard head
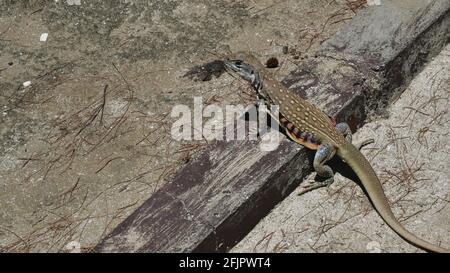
pixel 241 68
pixel 246 65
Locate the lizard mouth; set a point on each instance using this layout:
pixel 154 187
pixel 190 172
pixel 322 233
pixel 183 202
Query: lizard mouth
pixel 231 64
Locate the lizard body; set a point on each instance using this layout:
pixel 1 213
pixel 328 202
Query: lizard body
pixel 308 125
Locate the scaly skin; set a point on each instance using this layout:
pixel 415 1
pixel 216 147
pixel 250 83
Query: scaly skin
pixel 307 118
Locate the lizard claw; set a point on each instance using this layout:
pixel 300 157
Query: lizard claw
pixel 315 185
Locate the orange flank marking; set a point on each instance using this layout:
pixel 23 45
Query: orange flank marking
pixel 301 141
pixel 333 120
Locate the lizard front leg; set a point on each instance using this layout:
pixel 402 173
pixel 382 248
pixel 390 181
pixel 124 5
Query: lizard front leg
pixel 261 104
pixel 324 153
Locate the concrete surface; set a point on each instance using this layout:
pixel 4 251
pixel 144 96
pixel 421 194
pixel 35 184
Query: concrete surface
pixel 77 157
pixel 411 155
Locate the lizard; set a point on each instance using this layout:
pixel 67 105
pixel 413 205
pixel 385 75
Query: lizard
pixel 309 126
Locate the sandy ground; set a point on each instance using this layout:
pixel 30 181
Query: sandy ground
pixel 89 140
pixel 411 155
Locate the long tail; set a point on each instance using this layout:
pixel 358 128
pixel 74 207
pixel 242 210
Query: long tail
pixel 372 184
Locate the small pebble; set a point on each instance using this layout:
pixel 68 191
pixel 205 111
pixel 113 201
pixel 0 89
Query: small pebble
pixel 373 2
pixel 43 37
pixel 27 83
pixel 74 2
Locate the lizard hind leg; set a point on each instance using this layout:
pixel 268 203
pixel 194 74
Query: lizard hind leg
pixel 323 154
pixel 344 129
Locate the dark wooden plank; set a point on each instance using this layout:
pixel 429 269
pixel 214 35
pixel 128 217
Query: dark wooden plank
pixel 211 203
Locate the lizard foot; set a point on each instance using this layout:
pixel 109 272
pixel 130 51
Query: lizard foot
pixel 310 186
